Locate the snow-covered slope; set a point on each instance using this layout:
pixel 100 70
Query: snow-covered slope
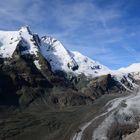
pixel 30 44
pixel 62 59
pixel 57 55
pixel 10 39
pixel 8 42
pixel 88 66
pixel 132 68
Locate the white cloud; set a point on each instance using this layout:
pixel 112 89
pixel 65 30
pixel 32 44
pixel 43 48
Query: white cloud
pixel 23 11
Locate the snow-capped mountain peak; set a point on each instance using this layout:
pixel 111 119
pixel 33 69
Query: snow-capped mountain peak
pixel 53 50
pixel 58 56
pixel 10 39
pixel 62 59
pixel 131 68
pixel 25 29
pixel 29 40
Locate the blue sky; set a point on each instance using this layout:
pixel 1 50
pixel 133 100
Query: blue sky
pixel 105 30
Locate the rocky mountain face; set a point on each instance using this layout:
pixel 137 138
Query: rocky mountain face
pixel 34 69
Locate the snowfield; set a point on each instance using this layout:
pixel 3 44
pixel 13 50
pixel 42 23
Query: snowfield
pixel 8 43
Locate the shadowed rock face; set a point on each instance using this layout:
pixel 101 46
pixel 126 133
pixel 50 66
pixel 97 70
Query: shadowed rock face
pixel 94 88
pixel 22 83
pixel 7 90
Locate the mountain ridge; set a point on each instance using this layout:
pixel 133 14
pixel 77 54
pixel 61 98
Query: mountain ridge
pixel 50 48
pixel 24 54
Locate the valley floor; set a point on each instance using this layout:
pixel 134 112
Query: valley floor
pixel 120 117
pixel 42 123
